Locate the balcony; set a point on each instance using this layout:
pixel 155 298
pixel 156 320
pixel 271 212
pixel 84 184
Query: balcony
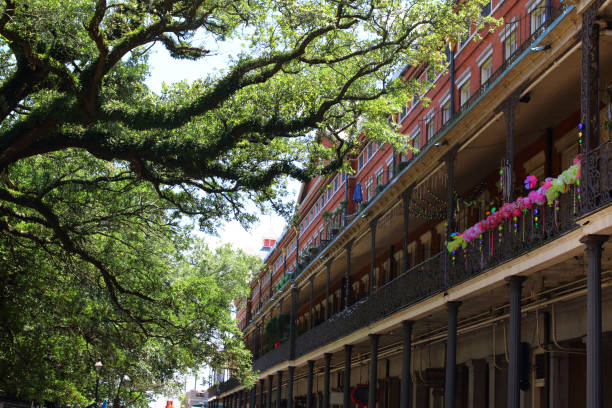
pixel 445 270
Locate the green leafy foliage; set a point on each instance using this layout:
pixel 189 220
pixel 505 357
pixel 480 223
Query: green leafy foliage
pixel 97 172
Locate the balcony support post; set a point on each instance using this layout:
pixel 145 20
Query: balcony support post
pixel 589 78
pixel 373 370
pixel 309 382
pixel 450 379
pixel 326 380
pixel 594 393
pixel 243 398
pixel 589 98
pixel 279 390
pixel 310 315
pixel 509 110
pixel 373 225
pixel 327 305
pixel 347 283
pixel 515 283
pixel 348 348
pixel 290 376
pixel 450 191
pixel 293 321
pixel 451 70
pixel 253 396
pixel 269 399
pixel 270 284
pixel 261 392
pixel 406 385
pixel 406 197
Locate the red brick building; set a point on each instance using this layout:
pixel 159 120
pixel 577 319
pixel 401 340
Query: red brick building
pixel 367 301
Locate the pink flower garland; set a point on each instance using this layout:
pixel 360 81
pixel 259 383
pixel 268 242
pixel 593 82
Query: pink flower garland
pixel 516 208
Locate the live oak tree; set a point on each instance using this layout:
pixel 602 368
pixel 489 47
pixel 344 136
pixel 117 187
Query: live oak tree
pixel 96 170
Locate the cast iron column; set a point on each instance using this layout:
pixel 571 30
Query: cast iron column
pixel 373 370
pixel 451 71
pixel 406 385
pixel 347 284
pixel 594 356
pixel 326 380
pixel 269 399
pixel 515 283
pixel 406 196
pixel 450 379
pixel 509 110
pixel 261 392
pixel 279 390
pixel 293 321
pixel 270 287
pixel 348 348
pixel 290 387
pixel 327 311
pixel 310 317
pixel 589 77
pixel 309 382
pixel 450 191
pixel 373 225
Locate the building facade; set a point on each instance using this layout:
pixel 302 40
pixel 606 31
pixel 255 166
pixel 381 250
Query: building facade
pixel 475 273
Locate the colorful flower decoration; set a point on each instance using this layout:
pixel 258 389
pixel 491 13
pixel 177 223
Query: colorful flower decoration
pixel 548 192
pixel 530 182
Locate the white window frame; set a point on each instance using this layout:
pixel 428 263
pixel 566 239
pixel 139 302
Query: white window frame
pixel 445 100
pixel 505 33
pixel 464 79
pixel 379 172
pixel 430 118
pixel 390 172
pixel 416 134
pixel 537 14
pixel 486 70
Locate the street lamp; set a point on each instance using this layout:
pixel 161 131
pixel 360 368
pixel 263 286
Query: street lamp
pixel 98 367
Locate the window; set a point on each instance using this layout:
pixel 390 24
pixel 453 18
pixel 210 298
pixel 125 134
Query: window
pixel 335 184
pixel 486 69
pixel 537 12
pixel 390 174
pixel 486 9
pixel 329 193
pixel 464 92
pixel 369 189
pixel 415 137
pixel 510 44
pixel 370 149
pixel 343 177
pixel 379 177
pixel 402 114
pixel 430 75
pixel 430 126
pixel 446 112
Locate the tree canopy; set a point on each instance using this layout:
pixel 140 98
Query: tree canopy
pixel 97 170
